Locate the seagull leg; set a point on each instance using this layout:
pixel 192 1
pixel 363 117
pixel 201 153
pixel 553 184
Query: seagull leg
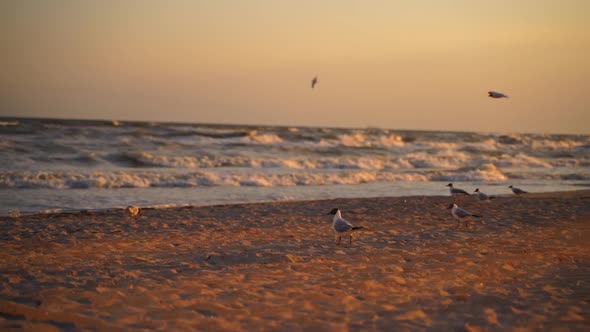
pixel 350 240
pixel 339 238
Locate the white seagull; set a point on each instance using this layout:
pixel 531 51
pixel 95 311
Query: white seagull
pixel 456 191
pixel 341 226
pixel 133 210
pixel 493 94
pixel 482 196
pixel 517 190
pixel 459 213
pixel 314 82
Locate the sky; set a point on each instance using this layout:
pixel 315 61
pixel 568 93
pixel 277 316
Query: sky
pixel 423 64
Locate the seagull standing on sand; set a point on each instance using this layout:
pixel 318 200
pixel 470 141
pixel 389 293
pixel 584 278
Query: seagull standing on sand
pixel 456 191
pixel 314 82
pixel 459 213
pixel 517 190
pixel 133 210
pixel 482 196
pixel 496 95
pixel 341 226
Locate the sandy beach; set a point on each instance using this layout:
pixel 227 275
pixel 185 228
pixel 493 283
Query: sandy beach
pixel 276 266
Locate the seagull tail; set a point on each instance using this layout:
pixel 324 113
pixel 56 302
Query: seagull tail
pixel 492 197
pixel 354 228
pixel 476 216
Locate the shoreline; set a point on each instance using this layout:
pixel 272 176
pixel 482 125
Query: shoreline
pixel 269 266
pixel 188 205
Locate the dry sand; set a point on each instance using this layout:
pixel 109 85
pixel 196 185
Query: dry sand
pixel 276 266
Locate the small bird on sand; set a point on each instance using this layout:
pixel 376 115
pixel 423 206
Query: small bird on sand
pixel 314 82
pixel 133 210
pixel 517 190
pixel 456 191
pixel 341 226
pixel 482 196
pixel 496 95
pixel 459 213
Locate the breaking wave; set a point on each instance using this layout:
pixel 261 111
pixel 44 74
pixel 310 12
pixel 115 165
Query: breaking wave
pixel 101 154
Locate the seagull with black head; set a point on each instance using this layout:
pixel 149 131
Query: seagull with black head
pixel 461 214
pixel 341 226
pixel 456 191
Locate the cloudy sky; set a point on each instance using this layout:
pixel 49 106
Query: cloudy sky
pixel 424 64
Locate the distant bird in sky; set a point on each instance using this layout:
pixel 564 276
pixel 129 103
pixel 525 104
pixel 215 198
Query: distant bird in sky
pixel 517 190
pixel 341 226
pixel 482 196
pixel 314 82
pixel 133 210
pixel 460 214
pixel 456 191
pixel 493 94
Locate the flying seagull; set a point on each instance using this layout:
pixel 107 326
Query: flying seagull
pixel 496 95
pixel 517 191
pixel 459 213
pixel 314 82
pixel 456 191
pixel 341 226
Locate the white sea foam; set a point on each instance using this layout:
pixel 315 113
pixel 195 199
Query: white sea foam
pixel 254 137
pixel 442 159
pixel 74 180
pixel 555 144
pixel 521 160
pixel 485 172
pixel 360 140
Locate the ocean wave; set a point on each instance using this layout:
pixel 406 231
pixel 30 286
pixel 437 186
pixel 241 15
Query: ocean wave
pixel 359 140
pixel 409 161
pixel 553 144
pixel 520 160
pixel 485 172
pixel 254 137
pixel 442 159
pixel 113 180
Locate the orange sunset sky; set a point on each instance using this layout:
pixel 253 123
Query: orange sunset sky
pixel 424 64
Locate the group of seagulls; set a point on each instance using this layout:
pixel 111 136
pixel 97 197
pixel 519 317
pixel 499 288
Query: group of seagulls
pixel 459 213
pixel 482 197
pixel 343 227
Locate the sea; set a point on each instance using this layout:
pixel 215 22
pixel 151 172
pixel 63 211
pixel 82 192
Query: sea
pixel 49 165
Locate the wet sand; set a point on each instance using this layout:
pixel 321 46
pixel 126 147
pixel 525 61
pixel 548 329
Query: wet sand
pixel 276 266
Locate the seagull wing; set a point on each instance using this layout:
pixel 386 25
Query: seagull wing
pixel 342 226
pixel 462 213
pixel 459 191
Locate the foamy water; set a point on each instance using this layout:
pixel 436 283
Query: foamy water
pixel 59 164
